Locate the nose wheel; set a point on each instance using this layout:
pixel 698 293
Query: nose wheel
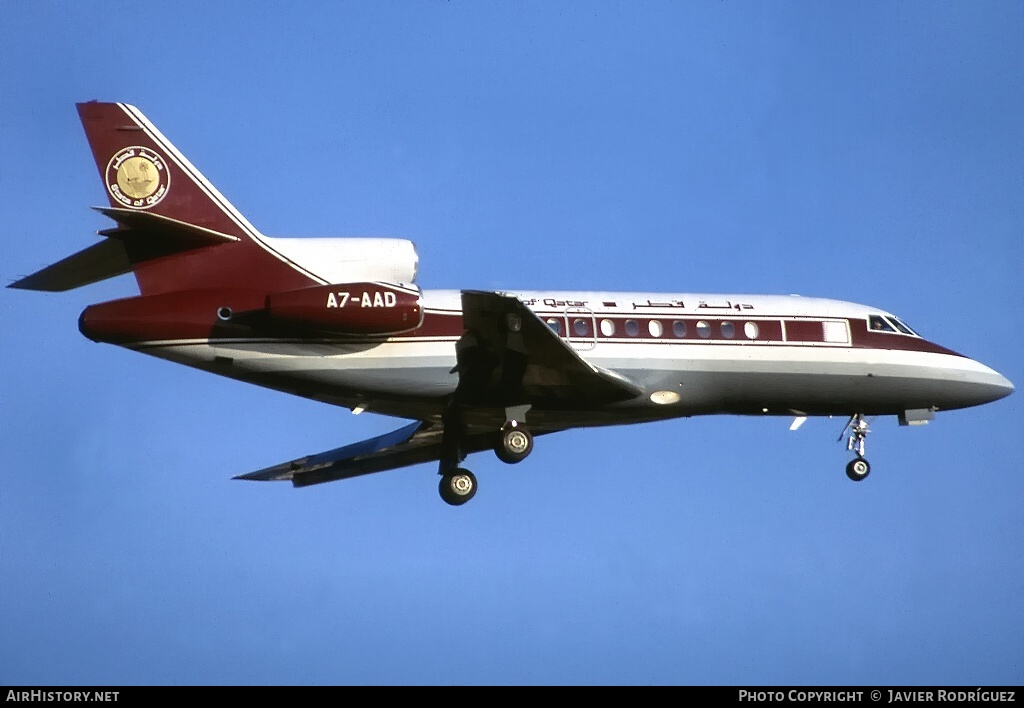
pixel 858 468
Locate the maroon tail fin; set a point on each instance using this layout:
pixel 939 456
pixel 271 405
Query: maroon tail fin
pixel 178 231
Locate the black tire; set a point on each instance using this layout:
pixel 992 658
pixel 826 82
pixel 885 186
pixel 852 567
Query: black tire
pixel 514 444
pixel 457 487
pixel 858 469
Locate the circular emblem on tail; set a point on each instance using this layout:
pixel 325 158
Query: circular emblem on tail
pixel 137 177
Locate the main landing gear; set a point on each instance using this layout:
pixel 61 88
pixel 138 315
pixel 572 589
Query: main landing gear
pixel 514 443
pixel 457 487
pixel 858 468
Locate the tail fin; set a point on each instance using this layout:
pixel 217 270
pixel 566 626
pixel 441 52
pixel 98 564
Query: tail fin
pixel 176 231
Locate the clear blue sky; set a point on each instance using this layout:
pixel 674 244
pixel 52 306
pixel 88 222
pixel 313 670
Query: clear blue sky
pixel 867 151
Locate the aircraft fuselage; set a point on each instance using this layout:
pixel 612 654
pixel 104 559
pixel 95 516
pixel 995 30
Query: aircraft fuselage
pixel 692 354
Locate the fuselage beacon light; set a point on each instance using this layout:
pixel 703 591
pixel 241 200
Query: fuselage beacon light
pixel 340 320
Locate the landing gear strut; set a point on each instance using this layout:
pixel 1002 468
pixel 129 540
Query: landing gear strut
pixel 858 468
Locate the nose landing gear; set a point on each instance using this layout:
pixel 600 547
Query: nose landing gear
pixel 858 468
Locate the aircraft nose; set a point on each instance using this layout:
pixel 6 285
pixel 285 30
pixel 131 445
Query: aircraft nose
pixel 989 385
pixel 1004 387
pixel 963 382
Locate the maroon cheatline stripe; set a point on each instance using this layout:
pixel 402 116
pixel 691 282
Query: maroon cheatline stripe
pixel 193 316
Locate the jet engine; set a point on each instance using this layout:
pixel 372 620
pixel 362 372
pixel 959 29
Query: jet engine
pixel 349 308
pixel 341 309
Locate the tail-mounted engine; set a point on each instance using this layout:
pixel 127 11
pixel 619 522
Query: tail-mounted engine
pixel 375 309
pixel 349 308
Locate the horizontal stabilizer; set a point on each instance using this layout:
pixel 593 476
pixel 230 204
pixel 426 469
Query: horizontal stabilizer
pixel 100 261
pixel 161 228
pixel 142 234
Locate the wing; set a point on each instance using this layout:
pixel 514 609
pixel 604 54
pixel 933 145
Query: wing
pixel 508 356
pixel 411 445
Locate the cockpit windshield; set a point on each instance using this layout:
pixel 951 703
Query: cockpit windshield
pixel 889 323
pixel 903 327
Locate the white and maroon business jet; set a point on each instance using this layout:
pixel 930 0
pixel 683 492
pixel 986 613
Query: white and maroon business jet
pixel 339 320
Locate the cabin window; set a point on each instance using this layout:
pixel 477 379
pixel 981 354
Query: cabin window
pixel 654 327
pixel 728 330
pixel 632 328
pixel 703 329
pixel 607 328
pixel 556 325
pixel 835 331
pixel 750 329
pixel 679 328
pixel 581 327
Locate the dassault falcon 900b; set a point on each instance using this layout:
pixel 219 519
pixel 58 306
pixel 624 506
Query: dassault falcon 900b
pixel 340 320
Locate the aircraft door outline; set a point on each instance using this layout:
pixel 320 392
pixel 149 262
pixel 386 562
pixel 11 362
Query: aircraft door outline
pixel 580 328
